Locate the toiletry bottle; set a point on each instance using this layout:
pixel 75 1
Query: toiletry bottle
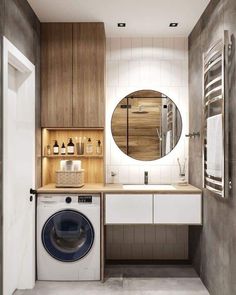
pixel 89 147
pixel 55 148
pixel 80 146
pixel 70 147
pixel 63 149
pixel 99 147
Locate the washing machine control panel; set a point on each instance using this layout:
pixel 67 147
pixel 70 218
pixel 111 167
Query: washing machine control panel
pixel 85 199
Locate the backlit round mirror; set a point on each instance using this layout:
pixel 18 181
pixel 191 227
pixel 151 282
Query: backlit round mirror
pixel 146 125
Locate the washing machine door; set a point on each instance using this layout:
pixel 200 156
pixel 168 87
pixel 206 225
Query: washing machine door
pixel 68 235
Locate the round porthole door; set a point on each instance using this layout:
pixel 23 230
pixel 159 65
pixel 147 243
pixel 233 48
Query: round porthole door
pixel 68 235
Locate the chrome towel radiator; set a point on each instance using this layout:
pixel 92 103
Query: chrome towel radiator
pixel 215 102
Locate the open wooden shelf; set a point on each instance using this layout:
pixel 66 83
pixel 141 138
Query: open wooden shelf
pixel 73 156
pixel 92 164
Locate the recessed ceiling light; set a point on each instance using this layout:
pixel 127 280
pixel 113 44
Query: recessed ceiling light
pixel 121 25
pixel 173 25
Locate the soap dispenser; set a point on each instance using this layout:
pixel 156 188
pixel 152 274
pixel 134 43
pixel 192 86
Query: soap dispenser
pixel 99 147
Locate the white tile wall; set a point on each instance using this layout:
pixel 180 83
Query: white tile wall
pixel 146 63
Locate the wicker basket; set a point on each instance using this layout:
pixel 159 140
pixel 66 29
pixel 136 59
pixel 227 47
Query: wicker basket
pixel 70 178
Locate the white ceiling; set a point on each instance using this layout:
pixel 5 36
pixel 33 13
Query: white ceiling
pixel 143 17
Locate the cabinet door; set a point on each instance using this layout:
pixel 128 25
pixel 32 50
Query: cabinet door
pixel 128 209
pixel 178 209
pixel 56 75
pixel 88 74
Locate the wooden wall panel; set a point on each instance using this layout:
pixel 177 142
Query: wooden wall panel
pixel 88 74
pixel 56 75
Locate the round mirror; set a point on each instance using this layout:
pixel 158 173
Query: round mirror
pixel 146 125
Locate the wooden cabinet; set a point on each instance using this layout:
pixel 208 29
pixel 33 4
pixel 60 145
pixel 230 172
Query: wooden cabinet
pixel 128 209
pixel 72 71
pixel 56 75
pixel 178 209
pixel 88 74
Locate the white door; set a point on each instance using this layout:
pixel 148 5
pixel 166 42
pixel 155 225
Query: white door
pixel 18 170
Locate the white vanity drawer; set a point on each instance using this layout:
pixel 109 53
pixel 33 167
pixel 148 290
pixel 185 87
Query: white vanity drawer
pixel 178 209
pixel 129 209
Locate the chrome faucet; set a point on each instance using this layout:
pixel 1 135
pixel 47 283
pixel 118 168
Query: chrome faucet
pixel 145 177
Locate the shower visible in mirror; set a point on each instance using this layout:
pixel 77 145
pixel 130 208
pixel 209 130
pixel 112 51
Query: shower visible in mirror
pixel 146 125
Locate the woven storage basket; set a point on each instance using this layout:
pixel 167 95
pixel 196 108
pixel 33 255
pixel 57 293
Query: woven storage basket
pixel 70 178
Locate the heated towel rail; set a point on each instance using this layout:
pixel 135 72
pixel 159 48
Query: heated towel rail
pixel 215 102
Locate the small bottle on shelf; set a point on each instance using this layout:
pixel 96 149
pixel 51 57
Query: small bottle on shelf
pixel 70 147
pixel 89 147
pixel 55 148
pixel 48 150
pixel 99 147
pixel 63 149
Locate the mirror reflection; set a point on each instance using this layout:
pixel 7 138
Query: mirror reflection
pixel 146 125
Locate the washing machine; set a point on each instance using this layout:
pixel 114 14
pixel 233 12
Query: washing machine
pixel 68 237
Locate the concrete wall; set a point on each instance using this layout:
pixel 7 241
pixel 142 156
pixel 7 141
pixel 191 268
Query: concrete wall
pixel 213 247
pixel 21 26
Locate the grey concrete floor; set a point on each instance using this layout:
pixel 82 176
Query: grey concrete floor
pixel 139 280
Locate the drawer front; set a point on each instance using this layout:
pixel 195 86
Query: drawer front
pixel 128 209
pixel 178 209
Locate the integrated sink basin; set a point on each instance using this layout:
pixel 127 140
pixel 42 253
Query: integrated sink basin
pixel 148 187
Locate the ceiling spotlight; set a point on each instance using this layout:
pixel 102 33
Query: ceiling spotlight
pixel 121 25
pixel 173 25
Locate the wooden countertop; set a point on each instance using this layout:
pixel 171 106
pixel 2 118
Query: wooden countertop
pixel 114 188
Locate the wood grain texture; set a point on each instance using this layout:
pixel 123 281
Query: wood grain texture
pixel 146 242
pixel 116 188
pixel 56 75
pixel 143 141
pixel 94 166
pixel 88 74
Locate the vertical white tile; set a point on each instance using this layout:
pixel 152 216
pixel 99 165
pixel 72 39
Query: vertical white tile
pixel 155 73
pixel 126 49
pixel 124 72
pixel 168 48
pixel 134 175
pixel 166 73
pixel 166 174
pixel 115 48
pixel 145 72
pixel 123 174
pixel 136 48
pixel 112 170
pixel 147 49
pixel 135 73
pixel 175 174
pixel 155 175
pixel 177 77
pixel 155 63
pixel 157 48
pixel 112 73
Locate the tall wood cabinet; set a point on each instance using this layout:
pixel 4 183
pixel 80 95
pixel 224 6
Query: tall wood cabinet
pixel 56 75
pixel 73 75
